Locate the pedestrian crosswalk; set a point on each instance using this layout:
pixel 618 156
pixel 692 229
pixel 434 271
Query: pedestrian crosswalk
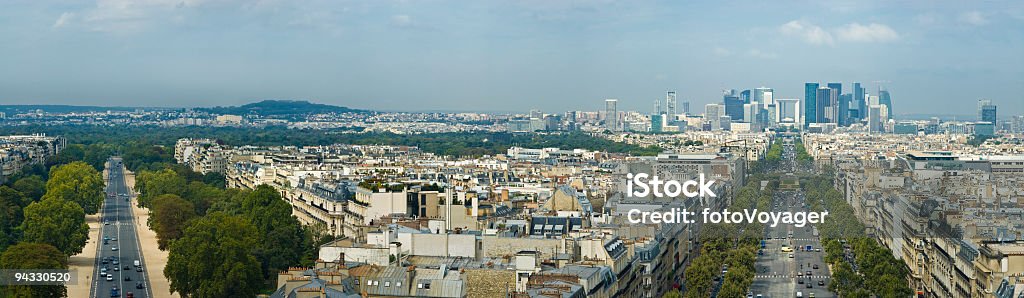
pixel 767 276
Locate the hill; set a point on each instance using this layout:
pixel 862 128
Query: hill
pixel 281 108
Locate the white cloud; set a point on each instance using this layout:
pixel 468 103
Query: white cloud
pixel 722 52
pixel 853 32
pixel 756 53
pixel 810 33
pixel 927 19
pixel 63 19
pixel 401 20
pixel 873 32
pixel 973 18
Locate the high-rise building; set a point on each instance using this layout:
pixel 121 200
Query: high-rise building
pixel 745 96
pixel 847 112
pixel 986 111
pixel 886 100
pixel 859 101
pixel 713 114
pixel 764 96
pixel 810 103
pixel 611 115
pixel 670 103
pixel 874 118
pixel 733 106
pixel 657 122
pixel 789 110
pixel 840 108
pixel 828 105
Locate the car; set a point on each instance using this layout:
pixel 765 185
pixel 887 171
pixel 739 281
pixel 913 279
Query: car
pixel 139 285
pixel 110 278
pixel 113 248
pixel 821 282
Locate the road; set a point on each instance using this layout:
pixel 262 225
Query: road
pixel 118 232
pixel 779 274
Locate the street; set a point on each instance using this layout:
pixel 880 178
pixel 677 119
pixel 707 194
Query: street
pixel 117 274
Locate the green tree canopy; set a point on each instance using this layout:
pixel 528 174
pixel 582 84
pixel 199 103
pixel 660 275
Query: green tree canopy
pixel 56 222
pixel 10 215
pixel 213 258
pixel 28 255
pixel 32 187
pixel 170 217
pixel 76 182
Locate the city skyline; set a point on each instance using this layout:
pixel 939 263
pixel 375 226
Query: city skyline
pixel 554 56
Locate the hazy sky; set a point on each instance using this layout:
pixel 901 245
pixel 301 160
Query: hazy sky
pixel 938 56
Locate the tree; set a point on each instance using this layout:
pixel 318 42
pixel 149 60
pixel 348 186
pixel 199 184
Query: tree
pixel 28 255
pixel 151 184
pixel 56 222
pixel 170 216
pixel 284 241
pixel 31 187
pixel 10 215
pixel 213 259
pixel 76 182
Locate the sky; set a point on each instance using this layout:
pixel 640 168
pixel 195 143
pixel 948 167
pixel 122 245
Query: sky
pixel 935 57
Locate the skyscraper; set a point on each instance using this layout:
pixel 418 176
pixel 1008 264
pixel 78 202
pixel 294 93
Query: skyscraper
pixel 828 105
pixel 745 96
pixel 733 106
pixel 859 101
pixel 713 114
pixel 764 95
pixel 986 111
pixel 670 103
pixel 789 110
pixel 885 100
pixel 810 103
pixel 611 115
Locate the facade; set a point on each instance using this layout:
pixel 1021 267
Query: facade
pixel 611 115
pixel 810 103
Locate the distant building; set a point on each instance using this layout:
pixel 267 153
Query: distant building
pixel 789 110
pixel 733 106
pixel 986 111
pixel 712 114
pixel 885 99
pixel 611 115
pixel 810 103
